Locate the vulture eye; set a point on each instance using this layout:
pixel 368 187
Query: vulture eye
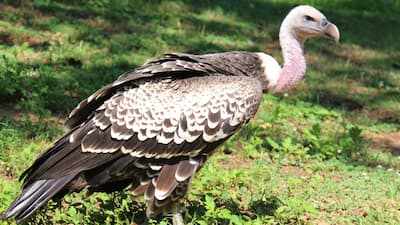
pixel 309 18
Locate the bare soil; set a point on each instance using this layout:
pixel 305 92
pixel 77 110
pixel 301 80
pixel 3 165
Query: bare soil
pixel 294 171
pixel 14 113
pixel 386 141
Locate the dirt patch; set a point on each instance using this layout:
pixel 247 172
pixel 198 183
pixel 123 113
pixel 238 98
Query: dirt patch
pixel 339 177
pixel 385 141
pixel 319 221
pixel 5 174
pixel 360 212
pixel 392 208
pixel 294 171
pixel 6 39
pixel 8 8
pixel 14 113
pixel 330 99
pixel 235 161
pixel 103 25
pixel 381 114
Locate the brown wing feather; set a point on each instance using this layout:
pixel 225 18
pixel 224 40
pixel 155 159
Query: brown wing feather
pixel 166 182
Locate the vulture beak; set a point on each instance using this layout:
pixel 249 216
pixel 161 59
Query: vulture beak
pixel 330 30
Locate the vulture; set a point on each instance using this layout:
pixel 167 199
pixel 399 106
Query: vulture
pixel 153 128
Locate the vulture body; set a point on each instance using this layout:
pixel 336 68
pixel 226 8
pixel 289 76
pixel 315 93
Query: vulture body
pixel 153 128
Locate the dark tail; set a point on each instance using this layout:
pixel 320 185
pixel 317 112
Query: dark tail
pixel 35 195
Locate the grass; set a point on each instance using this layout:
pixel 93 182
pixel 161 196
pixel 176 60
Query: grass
pixel 317 155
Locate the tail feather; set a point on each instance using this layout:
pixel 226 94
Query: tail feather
pixel 34 196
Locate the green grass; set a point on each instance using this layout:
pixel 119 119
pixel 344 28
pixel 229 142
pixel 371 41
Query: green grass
pixel 312 156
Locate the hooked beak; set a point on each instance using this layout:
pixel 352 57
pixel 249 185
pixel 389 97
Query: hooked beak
pixel 330 30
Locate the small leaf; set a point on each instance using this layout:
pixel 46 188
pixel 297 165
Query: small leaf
pixel 210 204
pixel 273 144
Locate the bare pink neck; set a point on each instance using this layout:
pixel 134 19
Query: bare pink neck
pixel 294 66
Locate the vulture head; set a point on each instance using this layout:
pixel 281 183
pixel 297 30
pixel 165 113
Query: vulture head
pixel 302 22
pixel 305 22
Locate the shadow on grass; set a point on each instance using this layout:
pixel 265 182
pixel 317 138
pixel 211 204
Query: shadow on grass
pixel 112 210
pixel 257 208
pixel 331 100
pixel 90 211
pixel 48 91
pixel 376 105
pixel 265 207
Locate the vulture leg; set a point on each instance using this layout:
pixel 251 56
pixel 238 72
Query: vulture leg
pixel 177 218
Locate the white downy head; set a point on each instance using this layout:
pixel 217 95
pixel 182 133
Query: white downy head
pixel 301 23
